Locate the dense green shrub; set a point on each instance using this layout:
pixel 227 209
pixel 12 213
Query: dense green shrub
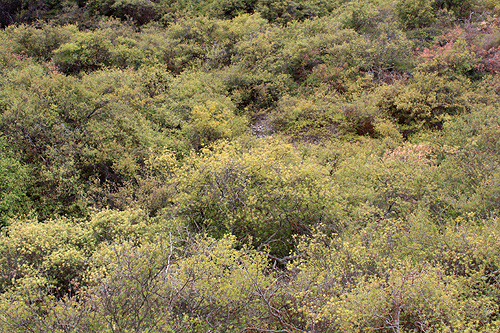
pixel 158 286
pixel 27 11
pixel 141 11
pixel 406 292
pixel 458 7
pixel 358 15
pixel 416 13
pixel 14 185
pixel 89 51
pixel 228 9
pixel 50 256
pixel 41 121
pixel 251 194
pixel 39 43
pixel 425 101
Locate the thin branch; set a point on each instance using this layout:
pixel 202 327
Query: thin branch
pixel 263 330
pixel 280 260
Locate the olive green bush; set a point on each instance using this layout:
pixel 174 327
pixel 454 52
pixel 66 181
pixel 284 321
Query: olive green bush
pixel 416 14
pixel 247 194
pixel 44 257
pixel 39 43
pixel 141 11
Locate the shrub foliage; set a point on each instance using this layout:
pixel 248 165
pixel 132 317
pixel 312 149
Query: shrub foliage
pixel 249 166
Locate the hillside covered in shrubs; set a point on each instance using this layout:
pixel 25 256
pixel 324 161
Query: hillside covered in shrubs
pixel 250 166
